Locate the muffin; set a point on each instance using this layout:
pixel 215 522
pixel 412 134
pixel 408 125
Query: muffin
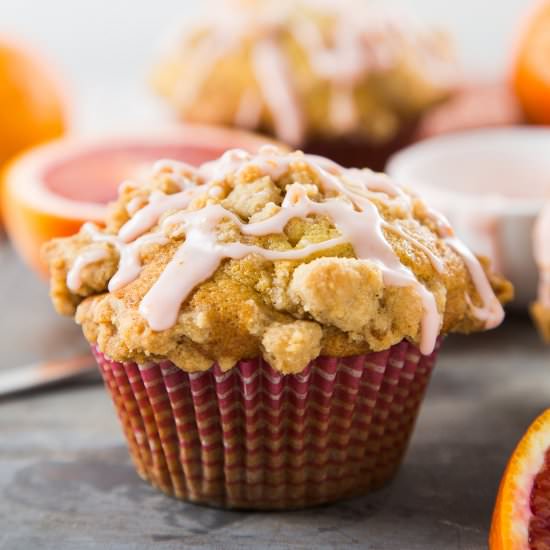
pixel 267 323
pixel 348 80
pixel 540 310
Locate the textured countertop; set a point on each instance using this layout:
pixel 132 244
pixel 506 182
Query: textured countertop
pixel 66 481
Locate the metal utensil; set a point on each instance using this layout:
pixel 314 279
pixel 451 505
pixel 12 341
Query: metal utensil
pixel 35 375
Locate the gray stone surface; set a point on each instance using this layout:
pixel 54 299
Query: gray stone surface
pixel 66 481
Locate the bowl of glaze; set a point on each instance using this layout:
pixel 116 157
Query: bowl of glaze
pixel 491 184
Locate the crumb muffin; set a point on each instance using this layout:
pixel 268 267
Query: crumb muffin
pixel 540 310
pixel 267 323
pixel 348 79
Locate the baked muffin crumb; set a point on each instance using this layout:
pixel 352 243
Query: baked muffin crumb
pixel 289 347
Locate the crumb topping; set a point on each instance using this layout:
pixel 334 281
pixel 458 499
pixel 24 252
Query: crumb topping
pixel 285 256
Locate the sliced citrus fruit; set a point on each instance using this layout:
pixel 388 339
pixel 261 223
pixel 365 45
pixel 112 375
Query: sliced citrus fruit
pixel 53 189
pixel 521 518
pixel 531 73
pixel 32 105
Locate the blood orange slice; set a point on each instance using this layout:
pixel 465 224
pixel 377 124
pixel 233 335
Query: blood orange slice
pixel 521 519
pixel 53 189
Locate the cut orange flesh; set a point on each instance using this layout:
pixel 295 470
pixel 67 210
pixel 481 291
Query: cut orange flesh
pixel 53 189
pixel 539 525
pixel 521 518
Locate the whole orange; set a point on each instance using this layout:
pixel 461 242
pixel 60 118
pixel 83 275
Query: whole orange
pixel 32 106
pixel 531 69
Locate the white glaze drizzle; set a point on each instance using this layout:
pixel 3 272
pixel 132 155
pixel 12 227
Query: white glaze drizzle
pixel 363 40
pixel 198 258
pixel 491 312
pixel 134 205
pixel 148 216
pixel 272 71
pixel 351 210
pixel 357 48
pixel 129 263
pixel 249 113
pixel 88 257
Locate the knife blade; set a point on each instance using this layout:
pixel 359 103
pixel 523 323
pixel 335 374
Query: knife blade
pixel 42 373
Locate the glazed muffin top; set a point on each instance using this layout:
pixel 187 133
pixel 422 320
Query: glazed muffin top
pixel 307 69
pixel 541 308
pixel 281 255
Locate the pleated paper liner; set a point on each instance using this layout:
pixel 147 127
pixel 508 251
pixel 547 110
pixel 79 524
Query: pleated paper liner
pixel 254 438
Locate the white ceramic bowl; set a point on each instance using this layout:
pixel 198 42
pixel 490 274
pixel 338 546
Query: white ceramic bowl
pixel 491 184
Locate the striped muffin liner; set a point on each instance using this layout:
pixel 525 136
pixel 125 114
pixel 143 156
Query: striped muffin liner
pixel 254 438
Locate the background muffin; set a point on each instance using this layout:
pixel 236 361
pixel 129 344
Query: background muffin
pixel 345 79
pixel 299 303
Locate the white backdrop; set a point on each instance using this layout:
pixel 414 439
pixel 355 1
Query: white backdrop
pixel 104 48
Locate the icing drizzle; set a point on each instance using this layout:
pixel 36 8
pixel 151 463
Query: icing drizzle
pixel 347 203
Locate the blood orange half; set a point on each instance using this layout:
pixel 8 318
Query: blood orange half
pixel 53 189
pixel 521 519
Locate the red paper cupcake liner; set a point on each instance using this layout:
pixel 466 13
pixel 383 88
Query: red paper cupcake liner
pixel 254 438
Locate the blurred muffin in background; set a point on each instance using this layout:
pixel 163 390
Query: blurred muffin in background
pixel 344 79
